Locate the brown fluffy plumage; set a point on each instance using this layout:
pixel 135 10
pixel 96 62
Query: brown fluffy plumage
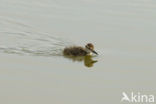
pixel 75 51
pixel 80 51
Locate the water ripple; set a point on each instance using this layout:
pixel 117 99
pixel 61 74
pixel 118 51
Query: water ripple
pixel 28 41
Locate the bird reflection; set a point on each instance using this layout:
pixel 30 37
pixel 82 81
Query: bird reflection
pixel 88 60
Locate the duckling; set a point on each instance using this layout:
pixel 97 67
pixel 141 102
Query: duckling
pixel 80 51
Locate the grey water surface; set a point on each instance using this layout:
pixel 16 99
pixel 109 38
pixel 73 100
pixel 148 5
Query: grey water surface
pixel 33 34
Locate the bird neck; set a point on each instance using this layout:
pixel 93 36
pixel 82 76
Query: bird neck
pixel 89 52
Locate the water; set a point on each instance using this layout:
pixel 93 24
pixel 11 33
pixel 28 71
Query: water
pixel 34 32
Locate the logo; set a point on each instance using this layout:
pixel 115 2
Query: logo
pixel 137 98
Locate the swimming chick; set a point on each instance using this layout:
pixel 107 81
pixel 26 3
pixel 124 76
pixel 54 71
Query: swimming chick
pixel 80 51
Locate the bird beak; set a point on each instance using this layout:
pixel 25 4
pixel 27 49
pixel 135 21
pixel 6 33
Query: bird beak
pixel 95 52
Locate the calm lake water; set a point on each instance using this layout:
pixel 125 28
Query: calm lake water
pixel 33 34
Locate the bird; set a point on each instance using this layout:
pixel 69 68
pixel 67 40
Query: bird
pixel 88 50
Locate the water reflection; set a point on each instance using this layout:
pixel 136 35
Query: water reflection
pixel 88 60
